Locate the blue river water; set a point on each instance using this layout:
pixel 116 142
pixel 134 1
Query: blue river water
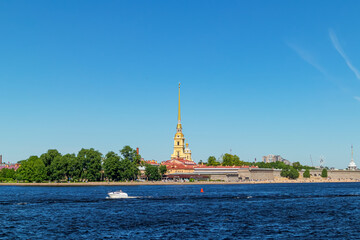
pixel 262 211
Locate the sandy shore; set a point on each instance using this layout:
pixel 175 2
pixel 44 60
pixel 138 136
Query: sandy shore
pixel 80 184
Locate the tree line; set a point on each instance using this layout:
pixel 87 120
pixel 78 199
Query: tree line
pixel 91 165
pixel 287 171
pixel 225 160
pixel 87 165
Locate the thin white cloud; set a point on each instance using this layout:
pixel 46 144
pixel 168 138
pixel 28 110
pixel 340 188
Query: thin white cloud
pixel 307 57
pixel 342 53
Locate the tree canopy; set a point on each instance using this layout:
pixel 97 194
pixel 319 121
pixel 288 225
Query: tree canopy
pixel 90 160
pixel 306 174
pixel 112 166
pixel 324 173
pixel 7 174
pixel 231 160
pixel 130 154
pixel 289 172
pixel 32 170
pixel 162 170
pixel 87 165
pixel 212 161
pixel 124 167
pixel 154 173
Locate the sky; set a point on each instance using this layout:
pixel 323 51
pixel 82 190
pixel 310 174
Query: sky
pixel 257 78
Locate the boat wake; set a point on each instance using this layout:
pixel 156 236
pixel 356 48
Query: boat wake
pixel 131 197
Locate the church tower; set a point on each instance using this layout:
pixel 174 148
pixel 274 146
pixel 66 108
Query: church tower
pixel 179 140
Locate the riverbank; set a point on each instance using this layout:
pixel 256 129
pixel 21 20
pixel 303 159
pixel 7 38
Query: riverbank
pixel 80 184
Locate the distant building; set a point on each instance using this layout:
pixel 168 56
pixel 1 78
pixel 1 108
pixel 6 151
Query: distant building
pixel 14 166
pixel 287 162
pixel 275 158
pixel 8 165
pixel 175 166
pixel 151 162
pixel 352 165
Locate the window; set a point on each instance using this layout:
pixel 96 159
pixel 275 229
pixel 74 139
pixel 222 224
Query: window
pixel 178 143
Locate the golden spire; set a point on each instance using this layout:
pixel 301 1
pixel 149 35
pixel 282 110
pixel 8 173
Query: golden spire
pixel 179 116
pixel 178 127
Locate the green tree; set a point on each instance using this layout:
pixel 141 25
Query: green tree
pixel 289 172
pixel 130 161
pixel 58 168
pixel 297 166
pixel 227 160
pixel 324 173
pixel 294 174
pixel 306 174
pixel 212 161
pixel 90 160
pixel 275 165
pixel 48 158
pixel 232 160
pixel 162 170
pixel 285 172
pixel 152 172
pixel 128 153
pixel 74 167
pixel 129 170
pixel 32 170
pixel 237 161
pixel 7 173
pixel 112 166
pixel 278 165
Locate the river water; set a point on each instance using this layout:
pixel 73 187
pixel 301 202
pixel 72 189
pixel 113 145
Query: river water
pixel 281 211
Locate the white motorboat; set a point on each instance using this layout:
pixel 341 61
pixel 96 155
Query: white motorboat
pixel 118 194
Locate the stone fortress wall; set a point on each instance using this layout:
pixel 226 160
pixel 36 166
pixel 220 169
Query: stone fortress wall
pixel 344 174
pixel 266 174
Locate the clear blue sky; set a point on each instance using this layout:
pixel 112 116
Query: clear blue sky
pixel 258 77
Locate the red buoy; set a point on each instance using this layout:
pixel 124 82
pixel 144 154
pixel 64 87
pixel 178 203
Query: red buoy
pixel 201 190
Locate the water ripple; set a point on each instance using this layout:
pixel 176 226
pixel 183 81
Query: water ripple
pixel 320 211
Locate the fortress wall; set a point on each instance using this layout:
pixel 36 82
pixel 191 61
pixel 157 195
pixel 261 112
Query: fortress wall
pixel 262 174
pixel 244 174
pixel 225 177
pixel 344 174
pixel 232 178
pixel 334 174
pixel 313 173
pixel 277 173
pixel 219 177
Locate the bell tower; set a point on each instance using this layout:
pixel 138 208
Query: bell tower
pixel 179 139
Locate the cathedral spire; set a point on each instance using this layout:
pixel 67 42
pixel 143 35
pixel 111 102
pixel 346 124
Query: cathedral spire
pixel 180 152
pixel 179 116
pixel 179 127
